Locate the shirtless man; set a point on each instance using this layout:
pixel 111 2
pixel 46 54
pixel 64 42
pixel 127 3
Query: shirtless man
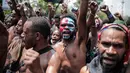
pixel 35 33
pixel 113 44
pixel 70 53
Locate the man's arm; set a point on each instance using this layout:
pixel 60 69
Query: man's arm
pixel 91 23
pixel 106 10
pixel 54 64
pixel 22 13
pixel 83 30
pixel 15 7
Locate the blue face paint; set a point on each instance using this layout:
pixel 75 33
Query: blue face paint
pixel 66 37
pixel 67 24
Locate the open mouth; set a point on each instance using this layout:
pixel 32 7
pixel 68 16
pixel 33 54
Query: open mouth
pixel 109 61
pixel 66 32
pixel 54 39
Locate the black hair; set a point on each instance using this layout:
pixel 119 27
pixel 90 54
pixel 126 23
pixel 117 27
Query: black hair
pixel 41 25
pixel 57 16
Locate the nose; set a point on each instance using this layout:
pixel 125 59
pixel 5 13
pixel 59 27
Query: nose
pixel 111 51
pixel 66 27
pixel 54 36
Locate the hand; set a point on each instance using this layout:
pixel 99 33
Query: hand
pixel 64 8
pixel 104 8
pixel 64 5
pixel 50 6
pixel 30 56
pixel 117 14
pixel 20 7
pixel 93 6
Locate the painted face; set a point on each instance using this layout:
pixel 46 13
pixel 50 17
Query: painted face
pixel 112 47
pixel 28 36
pixel 67 27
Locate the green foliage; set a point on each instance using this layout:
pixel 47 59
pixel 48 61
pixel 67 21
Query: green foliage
pixel 7 12
pixel 0 1
pixel 102 15
pixel 42 4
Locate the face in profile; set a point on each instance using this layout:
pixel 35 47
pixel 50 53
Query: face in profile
pixel 111 47
pixel 19 27
pixel 28 36
pixel 67 28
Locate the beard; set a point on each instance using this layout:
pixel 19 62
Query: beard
pixel 111 64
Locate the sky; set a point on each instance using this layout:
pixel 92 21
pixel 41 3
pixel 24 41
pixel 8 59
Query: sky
pixel 116 6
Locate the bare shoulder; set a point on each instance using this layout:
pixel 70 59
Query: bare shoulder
pixel 84 70
pixel 58 47
pixel 54 64
pixel 54 59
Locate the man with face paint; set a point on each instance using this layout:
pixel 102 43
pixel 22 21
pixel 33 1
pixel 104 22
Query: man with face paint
pixel 69 24
pixel 70 53
pixel 113 44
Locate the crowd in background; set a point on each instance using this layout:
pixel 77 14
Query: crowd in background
pixel 32 41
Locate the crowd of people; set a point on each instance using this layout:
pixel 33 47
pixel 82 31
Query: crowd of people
pixel 79 41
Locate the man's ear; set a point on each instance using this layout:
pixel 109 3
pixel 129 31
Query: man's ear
pixel 37 35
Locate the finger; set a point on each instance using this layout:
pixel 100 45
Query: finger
pixel 31 51
pixel 29 60
pixel 32 54
pixel 87 70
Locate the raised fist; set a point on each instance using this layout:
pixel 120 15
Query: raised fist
pixel 104 8
pixel 50 6
pixel 20 7
pixel 117 14
pixel 93 6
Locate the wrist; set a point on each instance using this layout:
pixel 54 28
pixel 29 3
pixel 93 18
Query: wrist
pixel 110 16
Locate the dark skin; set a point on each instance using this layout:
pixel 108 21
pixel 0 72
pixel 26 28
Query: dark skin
pixel 3 45
pixel 118 15
pixel 70 56
pixel 91 22
pixel 17 30
pixel 105 9
pixel 51 12
pixel 112 47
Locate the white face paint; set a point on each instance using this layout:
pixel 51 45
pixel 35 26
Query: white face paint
pixel 67 25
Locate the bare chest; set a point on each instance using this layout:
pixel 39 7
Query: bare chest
pixel 72 59
pixel 44 59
